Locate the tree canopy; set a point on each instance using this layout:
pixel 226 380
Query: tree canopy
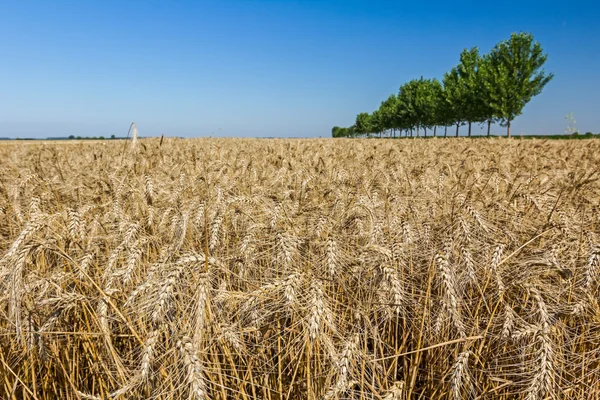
pixel 485 89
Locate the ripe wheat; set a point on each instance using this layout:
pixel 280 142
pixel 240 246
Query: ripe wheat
pixel 300 269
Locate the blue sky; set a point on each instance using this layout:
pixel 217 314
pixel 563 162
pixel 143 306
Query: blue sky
pixel 267 68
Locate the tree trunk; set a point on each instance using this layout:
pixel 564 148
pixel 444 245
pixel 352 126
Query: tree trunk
pixel 425 129
pixel 394 133
pixel 508 129
pixel 411 132
pixel 489 126
pixel 435 131
pixel 457 125
pixel 418 130
pixel 469 128
pixel 445 131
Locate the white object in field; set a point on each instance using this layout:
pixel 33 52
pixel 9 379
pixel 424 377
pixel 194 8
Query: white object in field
pixel 134 135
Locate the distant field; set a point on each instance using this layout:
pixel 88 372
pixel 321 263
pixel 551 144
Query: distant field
pixel 300 269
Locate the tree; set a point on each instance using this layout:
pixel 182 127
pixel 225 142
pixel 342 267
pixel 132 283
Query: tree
pixel 377 122
pixel 335 131
pixel 72 137
pixel 387 113
pixel 469 80
pixel 429 96
pixel 481 89
pixel 455 99
pixel 416 104
pixel 363 124
pixel 112 136
pixel 350 132
pixel 443 110
pixel 405 113
pixel 516 76
pixel 485 79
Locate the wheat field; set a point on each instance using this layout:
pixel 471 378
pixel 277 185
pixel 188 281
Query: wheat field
pixel 300 269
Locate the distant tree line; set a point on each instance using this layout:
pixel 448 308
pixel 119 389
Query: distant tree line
pixel 489 88
pixel 73 137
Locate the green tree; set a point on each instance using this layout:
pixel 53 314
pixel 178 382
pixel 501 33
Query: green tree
pixel 350 131
pixel 363 124
pixel 485 84
pixel 411 105
pixel 429 95
pixel 377 122
pixel 112 136
pixel 516 76
pixel 346 132
pixel 387 113
pixel 335 131
pixel 404 108
pixel 455 98
pixel 443 110
pixel 469 80
pixel 438 105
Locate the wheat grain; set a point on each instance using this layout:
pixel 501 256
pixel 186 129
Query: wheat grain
pixel 193 366
pixel 451 299
pixel 148 354
pixel 360 269
pixel 461 379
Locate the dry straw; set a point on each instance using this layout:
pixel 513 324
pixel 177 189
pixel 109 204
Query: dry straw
pixel 299 269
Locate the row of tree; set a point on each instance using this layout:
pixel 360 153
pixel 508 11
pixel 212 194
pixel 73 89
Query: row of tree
pixel 487 89
pixel 73 137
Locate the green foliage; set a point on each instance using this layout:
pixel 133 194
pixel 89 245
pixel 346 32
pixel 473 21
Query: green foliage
pixel 388 110
pixel 481 88
pixel 406 104
pixel 487 113
pixel 338 132
pixel 516 75
pixel 429 95
pixel 335 131
pixel 455 99
pixel 362 125
pixel 417 104
pixel 469 82
pixel 376 122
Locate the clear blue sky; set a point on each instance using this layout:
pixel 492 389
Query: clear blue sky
pixel 267 68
